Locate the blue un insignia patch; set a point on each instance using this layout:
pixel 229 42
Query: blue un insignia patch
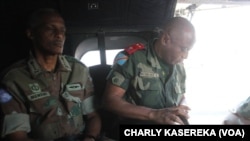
pixel 4 96
pixel 120 58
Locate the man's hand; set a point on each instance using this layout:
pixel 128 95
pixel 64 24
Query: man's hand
pixel 170 115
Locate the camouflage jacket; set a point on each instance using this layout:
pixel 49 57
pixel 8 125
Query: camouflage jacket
pixel 49 105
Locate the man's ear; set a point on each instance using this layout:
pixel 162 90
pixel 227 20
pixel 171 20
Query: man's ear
pixel 164 38
pixel 29 34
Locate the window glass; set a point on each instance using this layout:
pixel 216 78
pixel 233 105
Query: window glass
pixel 110 54
pixel 92 58
pixel 217 66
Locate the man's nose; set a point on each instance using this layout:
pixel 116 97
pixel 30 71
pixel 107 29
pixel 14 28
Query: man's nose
pixel 60 34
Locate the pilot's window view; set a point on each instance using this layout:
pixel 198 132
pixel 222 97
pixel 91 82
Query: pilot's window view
pixel 95 57
pixel 217 67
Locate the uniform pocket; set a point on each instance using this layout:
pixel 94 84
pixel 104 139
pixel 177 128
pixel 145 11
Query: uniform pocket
pixel 148 92
pixel 74 92
pixel 149 84
pixel 73 96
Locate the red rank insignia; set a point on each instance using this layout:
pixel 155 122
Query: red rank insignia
pixel 131 49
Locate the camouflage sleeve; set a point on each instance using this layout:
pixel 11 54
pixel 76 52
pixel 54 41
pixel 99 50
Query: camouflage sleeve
pixel 240 115
pixel 14 115
pixel 15 122
pixel 235 119
pixel 243 109
pixel 88 103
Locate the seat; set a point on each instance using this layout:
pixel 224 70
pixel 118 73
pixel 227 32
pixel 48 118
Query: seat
pixel 99 74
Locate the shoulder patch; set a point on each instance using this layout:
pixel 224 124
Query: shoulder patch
pixel 120 58
pixel 4 96
pixel 134 47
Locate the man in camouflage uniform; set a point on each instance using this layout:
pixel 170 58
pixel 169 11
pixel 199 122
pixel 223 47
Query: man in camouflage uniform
pixel 240 115
pixel 147 82
pixel 48 96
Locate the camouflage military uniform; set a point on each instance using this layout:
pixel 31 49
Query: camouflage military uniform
pixel 244 109
pixel 49 104
pixel 147 80
pixel 240 115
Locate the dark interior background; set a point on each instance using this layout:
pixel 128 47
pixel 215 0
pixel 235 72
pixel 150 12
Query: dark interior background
pixel 83 18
